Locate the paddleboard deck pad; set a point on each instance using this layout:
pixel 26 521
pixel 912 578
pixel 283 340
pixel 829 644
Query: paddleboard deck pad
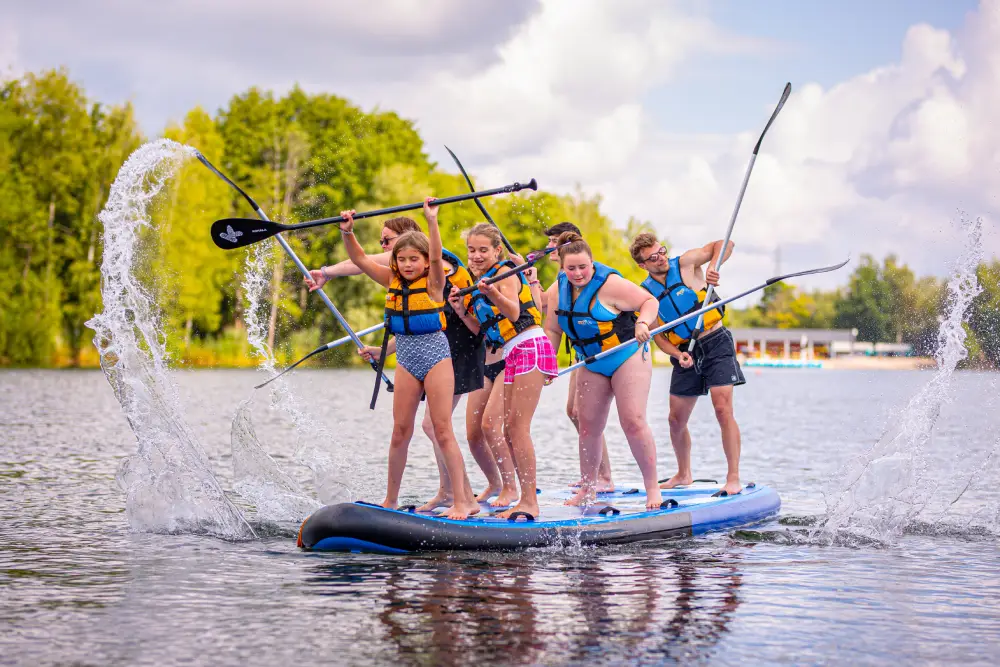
pixel 617 518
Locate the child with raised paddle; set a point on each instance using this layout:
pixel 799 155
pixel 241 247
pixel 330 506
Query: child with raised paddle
pixel 414 313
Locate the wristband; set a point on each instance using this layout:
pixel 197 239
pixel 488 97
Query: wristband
pixel 534 282
pixel 323 272
pixel 638 322
pixel 347 232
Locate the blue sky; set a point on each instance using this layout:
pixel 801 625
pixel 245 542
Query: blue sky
pixel 647 102
pixel 821 42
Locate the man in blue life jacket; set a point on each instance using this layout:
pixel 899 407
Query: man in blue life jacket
pixel 680 283
pixel 551 298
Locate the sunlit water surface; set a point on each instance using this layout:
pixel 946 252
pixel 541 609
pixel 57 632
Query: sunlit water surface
pixel 76 586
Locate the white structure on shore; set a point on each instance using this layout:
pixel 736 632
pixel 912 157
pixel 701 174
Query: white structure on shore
pixel 803 346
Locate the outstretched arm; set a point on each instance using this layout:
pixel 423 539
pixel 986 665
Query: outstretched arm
pixel 707 253
pixel 435 276
pixel 319 277
pixel 377 272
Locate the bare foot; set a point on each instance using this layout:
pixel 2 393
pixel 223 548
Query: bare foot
pixel 582 497
pixel 390 504
pixel 677 480
pixel 440 500
pixel 653 498
pixel 488 493
pixel 530 506
pixel 460 511
pixel 732 486
pixel 506 497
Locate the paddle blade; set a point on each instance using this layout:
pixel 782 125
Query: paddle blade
pixel 230 233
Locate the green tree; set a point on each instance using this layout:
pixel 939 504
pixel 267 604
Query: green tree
pixel 984 317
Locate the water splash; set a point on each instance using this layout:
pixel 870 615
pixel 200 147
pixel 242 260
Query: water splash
pixel 258 478
pixel 168 482
pixel 894 486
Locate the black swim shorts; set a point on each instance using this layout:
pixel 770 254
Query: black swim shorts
pixel 715 365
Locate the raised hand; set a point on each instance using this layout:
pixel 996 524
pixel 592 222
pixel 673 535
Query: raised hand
pixel 430 212
pixel 712 277
pixel 348 224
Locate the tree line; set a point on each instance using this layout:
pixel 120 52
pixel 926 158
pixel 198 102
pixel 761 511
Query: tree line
pixel 304 156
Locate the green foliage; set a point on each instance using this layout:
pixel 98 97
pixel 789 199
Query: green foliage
pixel 303 156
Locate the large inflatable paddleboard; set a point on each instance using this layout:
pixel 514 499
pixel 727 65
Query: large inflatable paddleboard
pixel 617 518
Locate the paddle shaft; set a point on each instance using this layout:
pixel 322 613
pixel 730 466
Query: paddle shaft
pixel 698 313
pixel 482 208
pixel 514 187
pixel 520 268
pixel 295 258
pixel 739 200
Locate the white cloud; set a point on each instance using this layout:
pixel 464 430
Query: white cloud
pixel 878 163
pixel 10 67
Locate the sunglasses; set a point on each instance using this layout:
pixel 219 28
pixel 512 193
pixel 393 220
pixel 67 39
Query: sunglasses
pixel 386 240
pixel 662 252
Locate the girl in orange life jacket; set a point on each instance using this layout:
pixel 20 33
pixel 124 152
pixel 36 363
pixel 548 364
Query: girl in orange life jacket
pixel 414 313
pixel 596 310
pixel 466 355
pixel 510 321
pixel 485 409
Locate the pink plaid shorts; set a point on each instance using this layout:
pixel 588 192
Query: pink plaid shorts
pixel 529 355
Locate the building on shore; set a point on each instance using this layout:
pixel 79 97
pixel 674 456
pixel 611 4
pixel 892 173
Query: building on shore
pixel 803 347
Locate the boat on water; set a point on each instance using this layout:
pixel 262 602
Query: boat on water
pixel 618 517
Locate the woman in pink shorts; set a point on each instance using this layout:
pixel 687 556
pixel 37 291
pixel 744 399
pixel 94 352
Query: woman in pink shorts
pixel 509 321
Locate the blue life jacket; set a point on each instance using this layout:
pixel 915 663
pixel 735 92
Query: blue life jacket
pixel 677 299
pixel 493 326
pixel 591 333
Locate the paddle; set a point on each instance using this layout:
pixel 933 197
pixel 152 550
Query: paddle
pixel 702 311
pixel 230 233
pixel 323 348
pixel 739 200
pixel 482 208
pixel 302 267
pixel 533 257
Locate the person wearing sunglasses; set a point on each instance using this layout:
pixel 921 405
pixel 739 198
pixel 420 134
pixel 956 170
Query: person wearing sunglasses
pixel 679 285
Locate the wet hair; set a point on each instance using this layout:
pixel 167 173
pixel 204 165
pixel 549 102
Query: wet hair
pixel 640 243
pixel 416 240
pixel 487 230
pixel 561 228
pixel 576 244
pixel 401 225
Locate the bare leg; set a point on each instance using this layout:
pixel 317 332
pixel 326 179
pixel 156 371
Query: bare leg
pixel 631 387
pixel 444 495
pixel 520 401
pixel 493 428
pixel 722 401
pixel 594 401
pixel 405 400
pixel 440 388
pixel 475 407
pixel 604 481
pixel 680 412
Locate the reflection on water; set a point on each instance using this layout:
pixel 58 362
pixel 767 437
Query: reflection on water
pixel 663 604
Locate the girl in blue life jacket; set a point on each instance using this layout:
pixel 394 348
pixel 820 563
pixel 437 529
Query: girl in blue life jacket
pixel 414 314
pixel 597 311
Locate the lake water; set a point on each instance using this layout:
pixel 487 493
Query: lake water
pixel 77 586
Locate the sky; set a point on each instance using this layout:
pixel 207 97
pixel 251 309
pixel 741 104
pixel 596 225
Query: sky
pixel 888 139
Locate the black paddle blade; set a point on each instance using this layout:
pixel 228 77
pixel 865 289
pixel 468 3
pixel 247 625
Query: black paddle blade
pixel 784 98
pixel 472 188
pixel 808 272
pixel 230 233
